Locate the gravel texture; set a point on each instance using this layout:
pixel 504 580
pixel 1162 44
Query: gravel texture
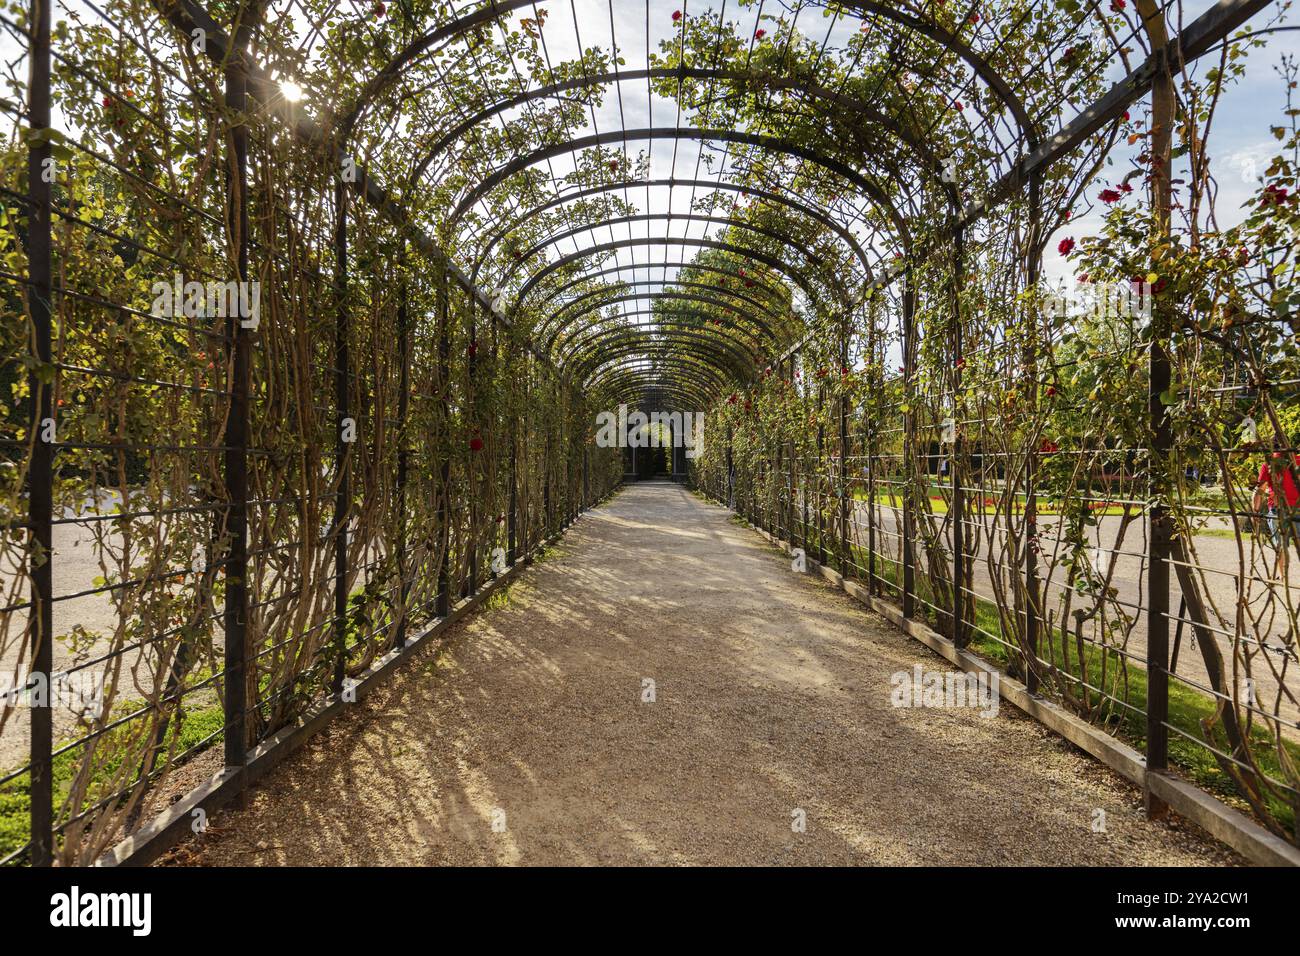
pixel 524 737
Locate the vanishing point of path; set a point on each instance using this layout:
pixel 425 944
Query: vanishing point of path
pixel 524 738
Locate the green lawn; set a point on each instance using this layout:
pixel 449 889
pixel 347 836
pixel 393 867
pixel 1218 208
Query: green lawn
pixel 939 506
pixel 193 728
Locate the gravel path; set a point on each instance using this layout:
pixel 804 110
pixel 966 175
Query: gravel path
pixel 524 738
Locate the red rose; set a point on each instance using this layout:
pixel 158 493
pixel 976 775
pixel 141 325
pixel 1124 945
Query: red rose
pixel 759 34
pixel 380 10
pixel 476 444
pixel 1108 196
pixel 677 15
pixel 1275 194
pixel 1118 5
pixel 1066 246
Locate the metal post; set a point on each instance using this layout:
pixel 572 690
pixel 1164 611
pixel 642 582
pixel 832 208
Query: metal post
pixel 442 307
pixel 475 478
pixel 821 475
pixel 731 475
pixel 235 547
pixel 846 543
pixel 909 443
pixel 869 438
pixel 804 489
pixel 1160 376
pixel 1031 463
pixel 40 477
pixel 343 501
pixel 403 454
pixel 792 483
pixel 546 486
pixel 778 474
pixel 511 517
pixel 957 511
pixel 566 444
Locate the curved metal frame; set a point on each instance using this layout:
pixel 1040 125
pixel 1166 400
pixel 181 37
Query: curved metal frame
pixel 649 333
pixel 770 143
pixel 491 13
pixel 572 333
pixel 677 264
pixel 811 212
pixel 762 258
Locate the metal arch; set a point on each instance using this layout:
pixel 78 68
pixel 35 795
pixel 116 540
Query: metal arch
pixel 772 234
pixel 807 210
pixel 651 321
pixel 624 267
pixel 771 143
pixel 668 370
pixel 628 343
pixel 644 332
pixel 949 40
pixel 649 397
pixel 574 332
pixel 392 70
pixel 653 398
pixel 726 354
pixel 630 353
pixel 760 257
pixel 774 81
pixel 658 358
pixel 644 378
pixel 750 326
pixel 699 375
pixel 677 284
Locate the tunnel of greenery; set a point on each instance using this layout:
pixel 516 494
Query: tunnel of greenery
pixel 311 306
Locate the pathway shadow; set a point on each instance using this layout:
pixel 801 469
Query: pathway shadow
pixel 526 738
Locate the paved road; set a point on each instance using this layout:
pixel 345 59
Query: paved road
pixel 1272 666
